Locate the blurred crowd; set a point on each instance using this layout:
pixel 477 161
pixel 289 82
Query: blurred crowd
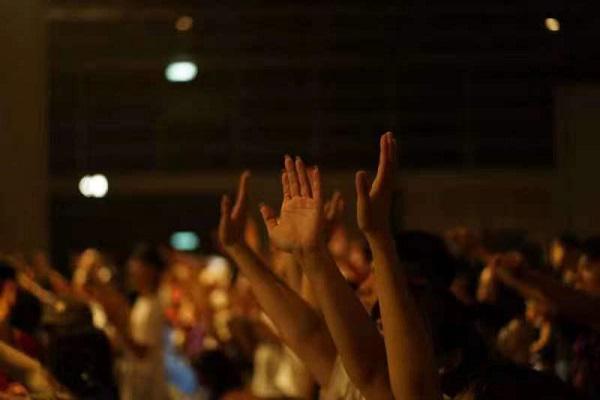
pixel 316 308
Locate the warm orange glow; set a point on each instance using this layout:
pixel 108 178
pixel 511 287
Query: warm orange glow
pixel 184 23
pixel 552 24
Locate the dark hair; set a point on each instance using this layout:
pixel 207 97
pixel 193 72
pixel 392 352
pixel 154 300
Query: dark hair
pixel 217 372
pixel 426 256
pixel 7 271
pixel 591 248
pixel 150 256
pixel 569 240
pixel 27 313
pixel 508 381
pixel 78 354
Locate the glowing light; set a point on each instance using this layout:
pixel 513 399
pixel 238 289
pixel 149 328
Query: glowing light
pixel 216 272
pixel 93 186
pixel 104 275
pixel 552 24
pixel 184 23
pixel 60 307
pixel 185 241
pixel 181 71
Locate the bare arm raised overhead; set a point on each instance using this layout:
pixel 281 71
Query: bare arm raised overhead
pixel 408 345
pixel 300 229
pixel 300 326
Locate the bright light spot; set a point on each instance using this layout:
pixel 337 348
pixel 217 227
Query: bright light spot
pixel 219 299
pixel 181 71
pixel 186 241
pixel 60 307
pixel 210 343
pixel 104 275
pixel 552 24
pixel 216 273
pixel 93 186
pixel 184 23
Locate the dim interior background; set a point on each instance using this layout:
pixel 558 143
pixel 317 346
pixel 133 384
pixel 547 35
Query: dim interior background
pixel 495 105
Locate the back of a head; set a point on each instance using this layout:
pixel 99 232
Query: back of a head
pixel 427 257
pixel 217 372
pixel 79 355
pixel 569 240
pixel 591 248
pixel 150 256
pixel 27 313
pixel 505 381
pixel 7 271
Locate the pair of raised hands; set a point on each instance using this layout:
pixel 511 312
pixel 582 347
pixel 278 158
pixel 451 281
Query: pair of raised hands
pixel 305 217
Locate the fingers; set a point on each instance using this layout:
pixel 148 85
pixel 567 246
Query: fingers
pixel 269 216
pixel 314 178
pixel 290 169
pixel 241 202
pixel 285 184
pixel 305 189
pixel 298 180
pixel 334 207
pixel 386 160
pixel 338 202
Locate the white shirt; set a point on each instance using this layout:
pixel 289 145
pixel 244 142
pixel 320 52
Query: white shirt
pixel 145 378
pixel 279 373
pixel 340 387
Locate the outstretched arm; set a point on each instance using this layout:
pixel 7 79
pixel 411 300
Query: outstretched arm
pixel 570 303
pixel 30 372
pixel 299 325
pixel 407 342
pixel 300 229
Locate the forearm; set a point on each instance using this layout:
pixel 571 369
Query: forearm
pixel 117 311
pixel 408 346
pixel 23 368
pixel 569 303
pixel 359 344
pixel 299 325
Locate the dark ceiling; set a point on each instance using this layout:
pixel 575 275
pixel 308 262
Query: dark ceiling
pixel 463 83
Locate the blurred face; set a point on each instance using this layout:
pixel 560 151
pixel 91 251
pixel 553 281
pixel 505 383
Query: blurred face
pixel 588 276
pixel 142 277
pixel 557 255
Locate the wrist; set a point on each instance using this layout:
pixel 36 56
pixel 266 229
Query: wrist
pixel 379 236
pixel 235 247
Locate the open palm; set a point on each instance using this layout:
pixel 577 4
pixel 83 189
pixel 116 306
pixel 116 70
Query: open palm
pixel 300 223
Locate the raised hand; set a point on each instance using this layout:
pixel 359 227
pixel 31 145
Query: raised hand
pixel 373 209
pixel 233 220
pixel 300 225
pixel 333 213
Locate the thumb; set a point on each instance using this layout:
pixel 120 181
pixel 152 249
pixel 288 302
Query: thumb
pixel 268 216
